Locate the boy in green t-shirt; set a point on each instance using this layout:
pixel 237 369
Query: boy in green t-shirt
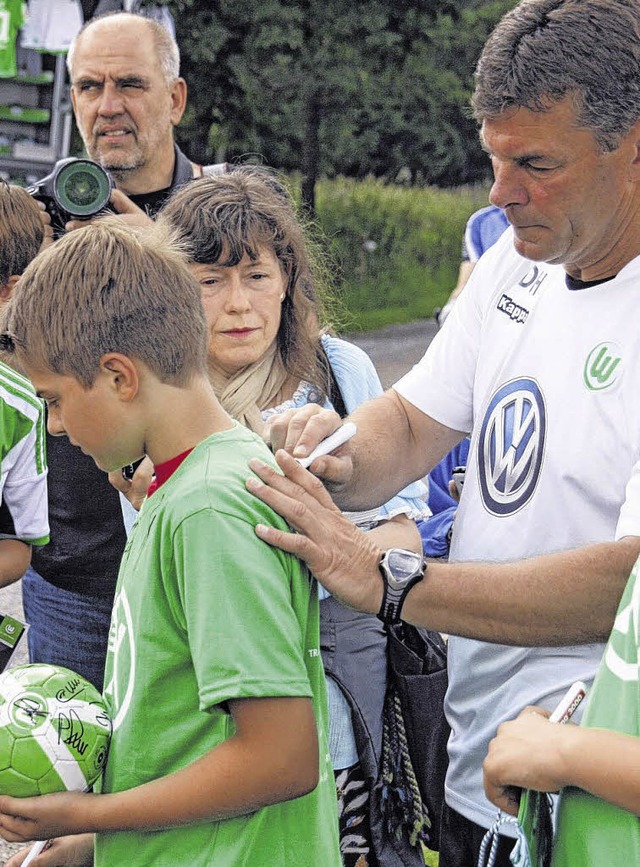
pixel 214 677
pixel 23 465
pixel 594 764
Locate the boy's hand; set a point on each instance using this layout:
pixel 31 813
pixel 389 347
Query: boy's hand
pixel 75 851
pixel 25 819
pixel 525 754
pixel 45 219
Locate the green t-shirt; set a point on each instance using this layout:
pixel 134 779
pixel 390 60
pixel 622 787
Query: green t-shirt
pixel 592 832
pixel 206 612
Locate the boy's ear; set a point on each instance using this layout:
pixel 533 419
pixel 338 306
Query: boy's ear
pixel 6 289
pixel 123 374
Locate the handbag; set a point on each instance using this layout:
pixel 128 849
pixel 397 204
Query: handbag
pixel 415 735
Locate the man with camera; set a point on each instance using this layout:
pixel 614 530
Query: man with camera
pixel 127 97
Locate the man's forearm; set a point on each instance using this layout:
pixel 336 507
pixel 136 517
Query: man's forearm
pixel 399 532
pixel 556 599
pixel 395 445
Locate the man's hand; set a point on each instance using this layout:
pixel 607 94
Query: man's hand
pixel 122 205
pixel 25 819
pixel 526 754
pixel 299 431
pixel 342 557
pixel 75 851
pixel 47 228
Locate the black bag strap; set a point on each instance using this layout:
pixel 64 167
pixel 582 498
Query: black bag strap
pixel 334 395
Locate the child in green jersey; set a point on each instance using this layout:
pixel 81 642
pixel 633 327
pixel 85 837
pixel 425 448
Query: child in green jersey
pixel 23 465
pixel 213 677
pixel 595 764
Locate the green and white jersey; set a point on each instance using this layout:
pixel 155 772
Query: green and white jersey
pixel 23 463
pixel 205 613
pixel 592 832
pixel 545 377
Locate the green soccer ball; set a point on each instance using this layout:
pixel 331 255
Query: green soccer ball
pixel 54 731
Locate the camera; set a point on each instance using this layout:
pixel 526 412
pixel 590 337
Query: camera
pixel 75 189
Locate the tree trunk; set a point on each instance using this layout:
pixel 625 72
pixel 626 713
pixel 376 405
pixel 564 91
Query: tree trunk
pixel 311 153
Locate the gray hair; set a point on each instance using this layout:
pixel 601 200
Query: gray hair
pixel 166 48
pixel 545 50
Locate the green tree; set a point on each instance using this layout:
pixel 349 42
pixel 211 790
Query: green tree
pixel 336 87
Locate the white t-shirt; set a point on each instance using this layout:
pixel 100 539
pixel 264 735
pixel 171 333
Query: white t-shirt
pixel 547 379
pixel 51 25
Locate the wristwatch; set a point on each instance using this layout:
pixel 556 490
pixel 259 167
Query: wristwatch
pixel 400 570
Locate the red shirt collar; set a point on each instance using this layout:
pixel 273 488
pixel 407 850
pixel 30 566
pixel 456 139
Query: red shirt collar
pixel 165 471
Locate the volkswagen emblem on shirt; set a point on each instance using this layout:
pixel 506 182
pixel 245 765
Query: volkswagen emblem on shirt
pixel 511 446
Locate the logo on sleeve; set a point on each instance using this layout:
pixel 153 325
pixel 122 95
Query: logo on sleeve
pixel 119 690
pixel 621 655
pixel 511 446
pixel 602 367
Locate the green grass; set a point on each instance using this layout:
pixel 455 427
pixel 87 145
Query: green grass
pixel 397 248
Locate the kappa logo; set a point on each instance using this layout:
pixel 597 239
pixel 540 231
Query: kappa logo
pixel 511 446
pixel 514 311
pixel 602 367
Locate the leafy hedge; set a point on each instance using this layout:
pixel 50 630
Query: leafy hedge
pixel 398 247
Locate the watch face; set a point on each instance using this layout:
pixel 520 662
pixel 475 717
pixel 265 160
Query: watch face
pixel 402 565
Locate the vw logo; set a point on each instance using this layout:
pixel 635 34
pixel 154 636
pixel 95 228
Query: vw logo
pixel 511 446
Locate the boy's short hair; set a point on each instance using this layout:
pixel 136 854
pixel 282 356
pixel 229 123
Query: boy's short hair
pixel 21 230
pixel 109 287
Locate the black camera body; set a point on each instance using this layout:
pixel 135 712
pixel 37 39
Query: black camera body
pixel 75 189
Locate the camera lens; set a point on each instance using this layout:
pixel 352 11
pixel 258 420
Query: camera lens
pixel 82 188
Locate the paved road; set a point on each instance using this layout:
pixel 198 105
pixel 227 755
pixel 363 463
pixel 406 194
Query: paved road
pixel 393 350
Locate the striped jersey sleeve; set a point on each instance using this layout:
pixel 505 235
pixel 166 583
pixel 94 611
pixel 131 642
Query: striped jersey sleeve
pixel 23 463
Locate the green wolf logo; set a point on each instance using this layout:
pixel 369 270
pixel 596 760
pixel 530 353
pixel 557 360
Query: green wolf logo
pixel 601 369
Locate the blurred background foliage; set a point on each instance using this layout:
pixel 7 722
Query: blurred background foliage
pixel 366 104
pixel 396 248
pixel 336 87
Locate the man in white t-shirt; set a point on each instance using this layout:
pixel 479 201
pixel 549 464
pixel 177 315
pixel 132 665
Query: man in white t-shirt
pixel 540 362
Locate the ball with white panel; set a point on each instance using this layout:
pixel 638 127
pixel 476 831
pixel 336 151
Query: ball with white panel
pixel 54 731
